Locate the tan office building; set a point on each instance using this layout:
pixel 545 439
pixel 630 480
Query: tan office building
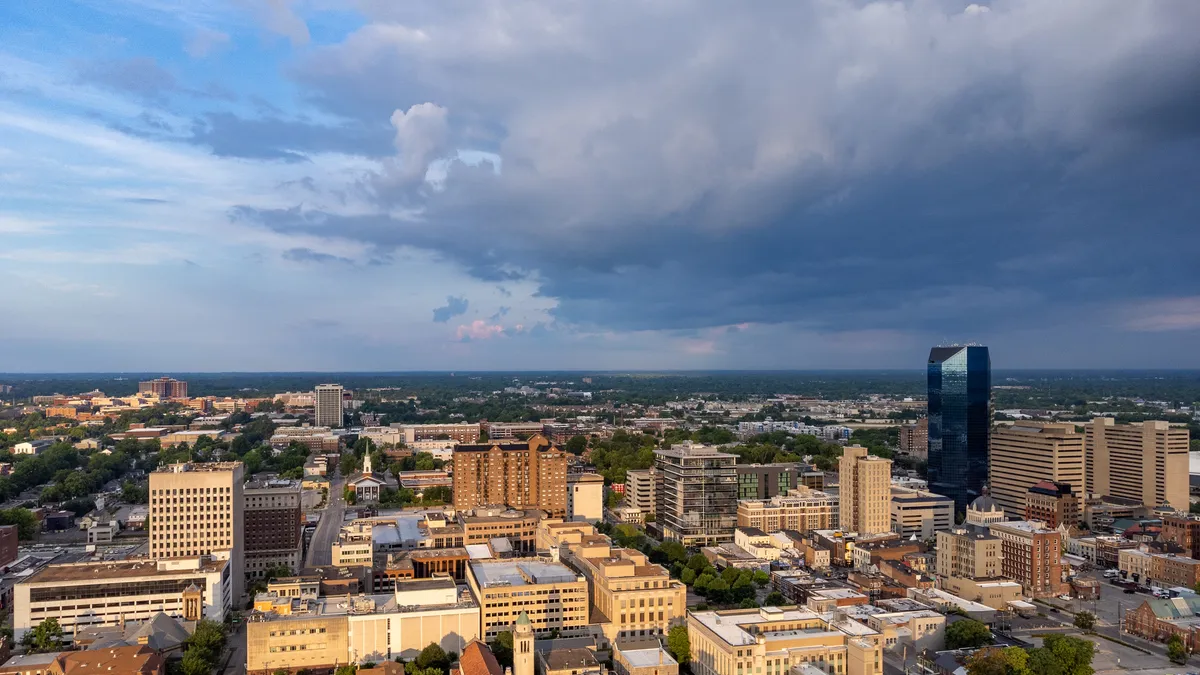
pixel 639 599
pixel 639 489
pixel 197 509
pixel 1147 462
pixel 327 407
pixel 773 641
pixel 801 510
pixel 968 553
pixel 864 492
pixel 1026 453
pixel 553 595
pixel 530 475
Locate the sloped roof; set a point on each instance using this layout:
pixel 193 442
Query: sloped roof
pixel 477 659
pixel 1175 608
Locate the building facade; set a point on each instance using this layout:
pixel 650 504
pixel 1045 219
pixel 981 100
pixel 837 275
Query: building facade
pixel 968 553
pixel 461 433
pixel 864 491
pixel 273 534
pixel 84 595
pixel 1147 462
pixel 585 497
pixel 531 475
pixel 920 513
pixel 914 438
pixel 775 641
pixel 197 509
pixel 327 405
pixel 640 489
pixel 552 595
pixel 164 387
pixel 764 481
pixel 1031 555
pixel 697 494
pixel 1028 452
pixel 960 421
pixel 802 510
pixel 1053 503
pixel 1182 529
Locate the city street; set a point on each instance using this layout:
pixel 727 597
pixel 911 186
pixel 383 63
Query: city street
pixel 319 549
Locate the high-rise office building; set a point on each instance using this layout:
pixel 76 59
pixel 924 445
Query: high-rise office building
pixel 914 438
pixel 864 492
pixel 196 510
pixel 1026 453
pixel 328 405
pixel 1147 462
pixel 764 481
pixel 529 475
pixel 639 489
pixel 697 494
pixel 960 420
pixel 164 387
pixel 273 522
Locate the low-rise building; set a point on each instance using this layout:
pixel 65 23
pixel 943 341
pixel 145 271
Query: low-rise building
pixel 297 633
pixel 920 513
pixel 554 596
pixel 643 657
pixel 774 641
pixel 1053 503
pixel 919 630
pixel 802 509
pixel 109 593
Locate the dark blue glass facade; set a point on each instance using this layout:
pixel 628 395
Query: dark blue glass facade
pixel 960 421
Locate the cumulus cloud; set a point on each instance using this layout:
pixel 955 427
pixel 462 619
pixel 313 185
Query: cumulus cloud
pixel 454 307
pixel 853 166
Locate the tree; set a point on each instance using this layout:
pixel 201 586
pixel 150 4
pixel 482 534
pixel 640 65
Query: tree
pixel 1176 651
pixel 194 663
pixel 698 563
pixel 348 669
pixel 433 656
pixel 718 591
pixel 347 465
pixel 1085 621
pixel 576 445
pixel 45 637
pixel 774 599
pixel 996 661
pixel 761 578
pixel 502 648
pixel 747 603
pixel 673 550
pixel 688 577
pixel 26 522
pixel 1062 655
pixel 679 644
pixel 967 634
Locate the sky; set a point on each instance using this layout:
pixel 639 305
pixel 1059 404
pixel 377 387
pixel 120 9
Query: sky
pixel 193 185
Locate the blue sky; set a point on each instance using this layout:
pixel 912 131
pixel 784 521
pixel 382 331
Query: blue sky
pixel 486 184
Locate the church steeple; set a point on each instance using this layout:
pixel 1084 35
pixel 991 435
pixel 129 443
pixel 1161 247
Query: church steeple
pixel 366 463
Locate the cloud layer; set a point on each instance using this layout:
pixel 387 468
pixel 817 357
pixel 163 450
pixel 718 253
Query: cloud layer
pixel 651 184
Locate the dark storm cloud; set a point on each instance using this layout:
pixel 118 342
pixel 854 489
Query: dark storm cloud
pixel 844 165
pixel 454 307
pixel 271 138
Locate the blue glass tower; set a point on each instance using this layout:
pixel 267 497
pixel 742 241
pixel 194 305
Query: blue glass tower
pixel 960 421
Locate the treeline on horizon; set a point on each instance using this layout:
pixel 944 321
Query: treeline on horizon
pixel 1046 389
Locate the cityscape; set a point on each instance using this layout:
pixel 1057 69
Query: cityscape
pixel 599 337
pixel 559 524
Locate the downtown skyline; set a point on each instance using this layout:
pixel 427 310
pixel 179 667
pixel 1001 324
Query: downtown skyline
pixel 322 186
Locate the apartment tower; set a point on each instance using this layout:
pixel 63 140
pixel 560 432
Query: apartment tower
pixel 196 509
pixel 639 489
pixel 164 387
pixel 697 494
pixel 273 520
pixel 960 420
pixel 530 475
pixel 1027 453
pixel 1147 462
pixel 864 492
pixel 328 405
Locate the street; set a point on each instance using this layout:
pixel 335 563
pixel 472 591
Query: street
pixel 320 548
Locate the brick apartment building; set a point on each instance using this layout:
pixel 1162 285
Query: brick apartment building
pixel 531 475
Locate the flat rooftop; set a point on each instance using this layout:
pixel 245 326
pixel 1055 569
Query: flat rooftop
pixel 116 571
pixel 729 625
pixel 520 573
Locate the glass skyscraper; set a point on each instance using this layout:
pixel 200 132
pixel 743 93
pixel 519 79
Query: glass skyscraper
pixel 960 421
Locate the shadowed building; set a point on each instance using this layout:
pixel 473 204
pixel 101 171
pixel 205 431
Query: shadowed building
pixel 531 475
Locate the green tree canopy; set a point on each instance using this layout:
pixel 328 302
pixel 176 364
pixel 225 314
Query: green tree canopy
pixel 502 648
pixel 47 636
pixel 679 644
pixel 967 634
